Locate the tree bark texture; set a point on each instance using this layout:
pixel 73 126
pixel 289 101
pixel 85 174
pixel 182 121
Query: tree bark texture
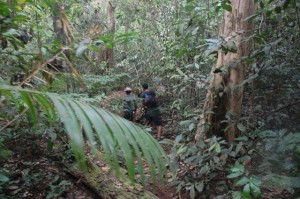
pixel 61 25
pixel 112 30
pixel 107 54
pixel 222 107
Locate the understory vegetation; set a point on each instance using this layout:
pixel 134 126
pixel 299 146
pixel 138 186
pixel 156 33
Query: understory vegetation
pixel 226 74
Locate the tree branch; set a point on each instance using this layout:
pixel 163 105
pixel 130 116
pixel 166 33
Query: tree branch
pixel 42 66
pixel 283 107
pixel 16 117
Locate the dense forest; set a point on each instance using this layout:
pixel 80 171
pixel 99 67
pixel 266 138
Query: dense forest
pixel 223 77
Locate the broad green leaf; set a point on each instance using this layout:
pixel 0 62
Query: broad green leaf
pixel 3 178
pixel 234 175
pixel 145 148
pixel 241 127
pixel 47 106
pixel 182 149
pixel 178 138
pixel 218 148
pixel 255 190
pixel 191 126
pixel 216 159
pixel 147 141
pixel 119 135
pixel 11 32
pixel 133 140
pixel 72 126
pixel 238 168
pixel 237 195
pixel 255 181
pixel 104 136
pixel 33 112
pixel 212 147
pixel 80 50
pixel 192 192
pixel 238 147
pixel 85 122
pixel 190 159
pixel 157 153
pixel 199 186
pixel 246 191
pixel 227 7
pixel 242 181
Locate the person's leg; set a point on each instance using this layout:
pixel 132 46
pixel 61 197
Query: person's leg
pixel 158 124
pixel 159 131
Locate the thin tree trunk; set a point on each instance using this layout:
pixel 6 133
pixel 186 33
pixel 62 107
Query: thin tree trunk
pixel 63 33
pixel 61 25
pixel 225 93
pixel 112 30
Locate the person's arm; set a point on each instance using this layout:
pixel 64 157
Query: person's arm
pixel 145 104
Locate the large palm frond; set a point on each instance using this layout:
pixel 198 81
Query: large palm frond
pixel 116 135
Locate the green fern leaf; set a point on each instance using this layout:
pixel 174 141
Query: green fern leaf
pixel 27 99
pixel 47 106
pixel 116 135
pixel 72 126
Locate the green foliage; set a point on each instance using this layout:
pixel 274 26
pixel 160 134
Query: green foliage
pixel 224 4
pixel 169 43
pixel 4 180
pixel 203 162
pixel 115 134
pixel 251 186
pixel 99 84
pixel 105 41
pixel 281 149
pixel 57 187
pixel 4 153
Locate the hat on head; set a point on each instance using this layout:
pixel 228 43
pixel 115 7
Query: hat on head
pixel 127 89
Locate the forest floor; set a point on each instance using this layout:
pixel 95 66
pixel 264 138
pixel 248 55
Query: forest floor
pixel 36 173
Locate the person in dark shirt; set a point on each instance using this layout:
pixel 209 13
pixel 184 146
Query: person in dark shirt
pixel 130 105
pixel 145 89
pixel 152 111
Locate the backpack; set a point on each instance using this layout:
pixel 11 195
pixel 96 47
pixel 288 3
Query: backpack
pixel 128 109
pixel 147 98
pixel 129 106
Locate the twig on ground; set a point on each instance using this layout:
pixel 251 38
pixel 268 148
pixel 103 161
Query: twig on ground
pixel 16 117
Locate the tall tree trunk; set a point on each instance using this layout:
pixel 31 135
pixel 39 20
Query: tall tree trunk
pixel 112 30
pixel 225 93
pixel 61 25
pixel 63 33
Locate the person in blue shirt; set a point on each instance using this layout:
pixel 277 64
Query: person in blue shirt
pixel 152 111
